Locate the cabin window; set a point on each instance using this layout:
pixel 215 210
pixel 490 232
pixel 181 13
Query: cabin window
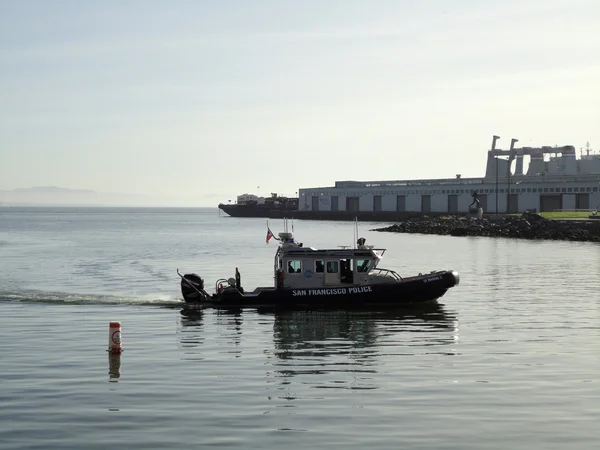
pixel 294 266
pixel 319 266
pixel 362 265
pixel 347 265
pixel 333 267
pixel 346 270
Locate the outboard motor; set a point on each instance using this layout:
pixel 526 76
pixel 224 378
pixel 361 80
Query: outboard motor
pixel 192 288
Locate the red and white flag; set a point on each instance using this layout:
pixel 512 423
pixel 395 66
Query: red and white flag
pixel 269 234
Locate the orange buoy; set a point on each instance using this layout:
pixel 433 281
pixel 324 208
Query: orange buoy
pixel 115 343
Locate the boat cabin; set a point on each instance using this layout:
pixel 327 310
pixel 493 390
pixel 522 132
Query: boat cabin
pixel 298 267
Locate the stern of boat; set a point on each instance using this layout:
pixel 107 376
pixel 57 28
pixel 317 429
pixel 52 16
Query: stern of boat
pixel 192 288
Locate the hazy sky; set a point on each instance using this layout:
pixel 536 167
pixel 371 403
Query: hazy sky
pixel 202 100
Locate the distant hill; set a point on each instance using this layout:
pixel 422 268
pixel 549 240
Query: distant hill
pixel 53 189
pixel 58 196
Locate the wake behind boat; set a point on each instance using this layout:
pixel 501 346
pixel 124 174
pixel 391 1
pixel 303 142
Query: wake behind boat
pixel 306 277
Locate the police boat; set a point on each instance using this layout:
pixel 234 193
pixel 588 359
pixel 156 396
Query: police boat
pixel 311 278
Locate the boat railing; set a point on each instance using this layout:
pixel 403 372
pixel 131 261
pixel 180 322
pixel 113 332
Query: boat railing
pixel 385 273
pixel 223 283
pixel 220 283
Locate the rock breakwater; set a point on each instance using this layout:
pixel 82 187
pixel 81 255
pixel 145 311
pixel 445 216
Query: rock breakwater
pixel 527 226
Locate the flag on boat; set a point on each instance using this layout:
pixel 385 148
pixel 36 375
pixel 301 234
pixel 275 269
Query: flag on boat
pixel 269 234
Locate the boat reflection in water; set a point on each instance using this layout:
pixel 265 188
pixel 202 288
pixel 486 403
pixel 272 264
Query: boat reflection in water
pixel 225 326
pixel 317 342
pixel 323 333
pixel 191 331
pixel 192 316
pixel 348 349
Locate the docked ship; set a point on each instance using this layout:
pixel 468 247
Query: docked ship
pixel 555 180
pixel 250 205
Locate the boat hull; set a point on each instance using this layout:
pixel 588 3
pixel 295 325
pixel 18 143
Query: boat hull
pixel 290 213
pixel 414 290
pixel 257 211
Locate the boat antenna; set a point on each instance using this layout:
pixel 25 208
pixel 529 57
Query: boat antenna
pixel 355 230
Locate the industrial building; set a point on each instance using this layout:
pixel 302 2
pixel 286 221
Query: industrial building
pixel 555 180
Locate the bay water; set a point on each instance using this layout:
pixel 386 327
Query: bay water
pixel 507 359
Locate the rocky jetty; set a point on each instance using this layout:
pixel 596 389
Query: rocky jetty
pixel 527 226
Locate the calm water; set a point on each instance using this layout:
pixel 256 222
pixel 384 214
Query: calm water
pixel 508 359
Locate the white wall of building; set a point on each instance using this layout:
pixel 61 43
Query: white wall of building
pixel 464 200
pixel 527 198
pixel 341 202
pixel 413 202
pixel 439 203
pixel 324 203
pixel 365 202
pixel 595 200
pixel 529 201
pixel 388 202
pixel 568 201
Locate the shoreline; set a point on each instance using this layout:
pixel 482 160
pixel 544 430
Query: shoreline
pixel 526 226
